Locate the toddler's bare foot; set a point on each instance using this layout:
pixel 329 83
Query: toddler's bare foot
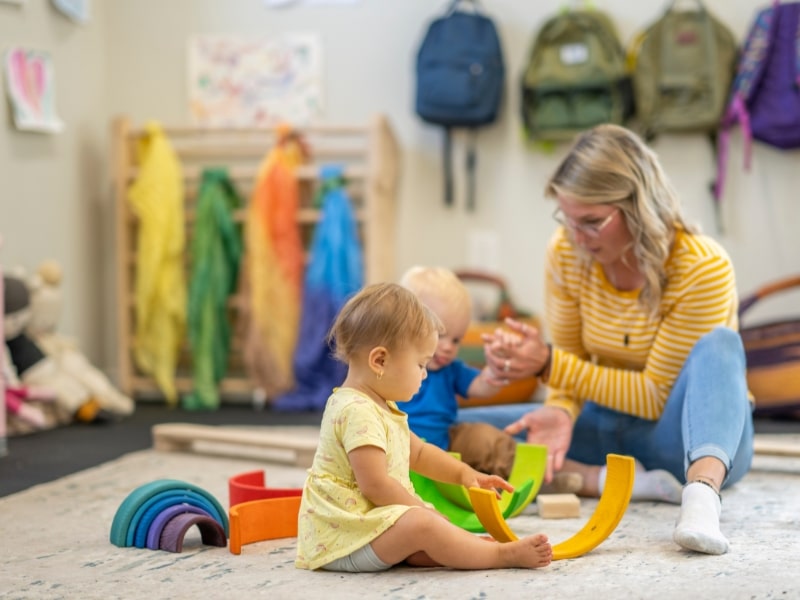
pixel 530 552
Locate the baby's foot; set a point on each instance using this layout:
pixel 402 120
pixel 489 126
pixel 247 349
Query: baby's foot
pixel 530 552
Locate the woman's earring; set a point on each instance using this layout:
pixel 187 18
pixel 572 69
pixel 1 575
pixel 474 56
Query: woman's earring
pixel 379 375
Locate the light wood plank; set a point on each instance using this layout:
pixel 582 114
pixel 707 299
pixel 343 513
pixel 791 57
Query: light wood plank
pixel 183 437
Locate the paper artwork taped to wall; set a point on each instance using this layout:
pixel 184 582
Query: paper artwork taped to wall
pixel 30 82
pixel 77 10
pixel 241 82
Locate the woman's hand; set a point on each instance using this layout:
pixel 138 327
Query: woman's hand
pixel 548 426
pixel 516 352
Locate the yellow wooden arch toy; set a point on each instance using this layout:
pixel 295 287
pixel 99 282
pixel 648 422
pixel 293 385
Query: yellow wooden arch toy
pixel 610 508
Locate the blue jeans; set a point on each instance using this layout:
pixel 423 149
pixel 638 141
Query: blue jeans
pixel 707 414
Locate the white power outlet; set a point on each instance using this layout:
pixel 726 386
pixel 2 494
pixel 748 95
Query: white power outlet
pixel 483 251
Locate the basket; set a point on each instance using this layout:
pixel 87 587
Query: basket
pixel 471 350
pixel 773 356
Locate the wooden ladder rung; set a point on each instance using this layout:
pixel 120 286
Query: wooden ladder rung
pixel 776 447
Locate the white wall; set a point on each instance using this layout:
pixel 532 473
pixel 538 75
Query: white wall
pixel 369 54
pixel 54 195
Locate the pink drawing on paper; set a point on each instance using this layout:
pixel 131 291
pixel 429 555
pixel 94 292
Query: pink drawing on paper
pixel 30 85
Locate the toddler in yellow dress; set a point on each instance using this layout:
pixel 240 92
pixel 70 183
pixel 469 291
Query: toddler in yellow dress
pixel 359 511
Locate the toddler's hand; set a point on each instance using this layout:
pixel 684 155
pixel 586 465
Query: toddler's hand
pixel 489 482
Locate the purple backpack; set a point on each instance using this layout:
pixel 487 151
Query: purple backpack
pixel 765 98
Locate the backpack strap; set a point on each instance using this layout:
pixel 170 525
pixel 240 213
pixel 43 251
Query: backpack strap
pixel 748 74
pixel 471 164
pixel 736 110
pixel 714 140
pixel 447 159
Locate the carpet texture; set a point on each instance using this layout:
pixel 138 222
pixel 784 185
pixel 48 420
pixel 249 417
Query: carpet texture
pixel 55 544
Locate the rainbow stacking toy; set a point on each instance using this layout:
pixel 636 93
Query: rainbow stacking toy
pixel 157 516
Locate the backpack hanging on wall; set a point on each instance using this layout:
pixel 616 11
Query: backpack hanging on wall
pixel 460 77
pixel 575 78
pixel 765 99
pixel 683 66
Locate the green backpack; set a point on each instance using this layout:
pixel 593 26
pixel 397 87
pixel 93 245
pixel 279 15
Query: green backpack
pixel 576 77
pixel 683 67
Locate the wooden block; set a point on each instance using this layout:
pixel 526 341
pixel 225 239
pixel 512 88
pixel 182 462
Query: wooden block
pixel 558 506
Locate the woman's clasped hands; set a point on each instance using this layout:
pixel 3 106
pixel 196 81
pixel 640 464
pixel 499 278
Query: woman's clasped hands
pixel 518 351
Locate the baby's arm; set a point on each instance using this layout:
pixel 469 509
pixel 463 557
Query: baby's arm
pixel 435 463
pixel 485 384
pixel 374 481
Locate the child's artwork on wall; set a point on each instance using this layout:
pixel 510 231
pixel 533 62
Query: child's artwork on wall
pixel 241 82
pixel 77 10
pixel 30 82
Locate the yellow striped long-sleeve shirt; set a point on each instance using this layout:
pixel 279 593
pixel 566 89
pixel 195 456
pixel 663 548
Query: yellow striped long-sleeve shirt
pixel 605 346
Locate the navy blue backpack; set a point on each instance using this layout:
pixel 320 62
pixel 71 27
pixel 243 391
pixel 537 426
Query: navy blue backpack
pixel 460 79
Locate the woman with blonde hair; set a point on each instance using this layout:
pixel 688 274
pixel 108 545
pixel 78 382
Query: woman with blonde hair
pixel 645 358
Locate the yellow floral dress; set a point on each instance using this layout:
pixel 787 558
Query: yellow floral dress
pixel 335 518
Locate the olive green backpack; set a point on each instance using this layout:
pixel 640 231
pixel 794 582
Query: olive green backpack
pixel 576 77
pixel 683 66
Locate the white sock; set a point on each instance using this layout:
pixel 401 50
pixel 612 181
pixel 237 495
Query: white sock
pixel 698 525
pixel 658 485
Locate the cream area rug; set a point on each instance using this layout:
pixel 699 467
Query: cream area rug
pixel 55 544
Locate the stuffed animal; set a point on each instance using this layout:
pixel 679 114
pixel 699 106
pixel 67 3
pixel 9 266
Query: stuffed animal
pixel 35 369
pixel 46 302
pixel 24 405
pixel 484 447
pixel 22 413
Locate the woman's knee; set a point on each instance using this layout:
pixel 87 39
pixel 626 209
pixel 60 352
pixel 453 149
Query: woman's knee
pixel 721 342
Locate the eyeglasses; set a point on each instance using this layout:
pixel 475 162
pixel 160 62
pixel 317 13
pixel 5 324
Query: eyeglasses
pixel 590 229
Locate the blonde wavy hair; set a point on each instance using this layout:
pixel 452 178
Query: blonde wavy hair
pixel 609 164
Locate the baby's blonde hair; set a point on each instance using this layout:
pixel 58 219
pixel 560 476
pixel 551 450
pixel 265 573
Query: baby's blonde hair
pixel 381 314
pixel 437 283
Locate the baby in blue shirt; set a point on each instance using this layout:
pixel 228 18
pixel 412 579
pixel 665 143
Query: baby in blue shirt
pixel 433 410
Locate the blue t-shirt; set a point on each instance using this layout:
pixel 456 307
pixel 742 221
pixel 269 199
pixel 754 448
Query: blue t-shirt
pixel 433 409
